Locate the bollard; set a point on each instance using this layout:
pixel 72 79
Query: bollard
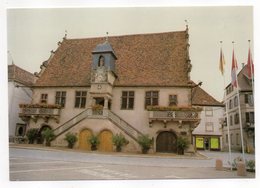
pixel 219 164
pixel 241 168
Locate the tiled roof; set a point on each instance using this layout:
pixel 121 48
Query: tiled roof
pixel 17 74
pixel 142 60
pixel 202 98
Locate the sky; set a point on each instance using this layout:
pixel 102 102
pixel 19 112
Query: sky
pixel 33 33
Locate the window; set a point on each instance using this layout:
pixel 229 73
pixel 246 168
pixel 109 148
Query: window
pixel 246 98
pixel 236 118
pixel 127 100
pixel 60 98
pixel 230 104
pixel 231 120
pixel 151 98
pixel 227 138
pixel 44 98
pixel 231 138
pixel 209 127
pixel 208 111
pixel 250 100
pixel 250 117
pixel 235 101
pixel 173 100
pixel 237 139
pixel 80 99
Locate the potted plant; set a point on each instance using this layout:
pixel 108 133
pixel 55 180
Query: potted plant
pixel 94 141
pixel 145 142
pixel 71 139
pixel 32 134
pixel 119 141
pixel 48 136
pixel 182 144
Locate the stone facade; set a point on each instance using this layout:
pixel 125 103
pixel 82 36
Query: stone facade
pixel 128 91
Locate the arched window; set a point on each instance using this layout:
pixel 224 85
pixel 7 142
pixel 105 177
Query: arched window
pixel 101 61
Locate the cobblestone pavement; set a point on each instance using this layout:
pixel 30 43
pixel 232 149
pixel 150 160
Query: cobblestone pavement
pixel 31 164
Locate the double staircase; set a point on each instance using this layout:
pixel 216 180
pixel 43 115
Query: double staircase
pixel 104 114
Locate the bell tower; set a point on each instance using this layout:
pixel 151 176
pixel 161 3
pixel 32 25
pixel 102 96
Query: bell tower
pixel 102 75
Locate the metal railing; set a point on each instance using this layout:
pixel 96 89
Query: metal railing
pixel 174 115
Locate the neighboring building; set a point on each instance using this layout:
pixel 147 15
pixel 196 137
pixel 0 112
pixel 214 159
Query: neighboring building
pixel 19 82
pixel 208 135
pixel 247 114
pixel 133 85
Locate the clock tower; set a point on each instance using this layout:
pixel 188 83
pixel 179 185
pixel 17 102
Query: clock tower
pixel 102 75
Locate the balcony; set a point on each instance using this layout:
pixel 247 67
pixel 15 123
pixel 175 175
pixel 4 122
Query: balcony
pixel 180 114
pixel 36 111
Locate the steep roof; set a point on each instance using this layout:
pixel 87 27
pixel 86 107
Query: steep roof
pixel 158 59
pixel 244 82
pixel 20 75
pixel 201 98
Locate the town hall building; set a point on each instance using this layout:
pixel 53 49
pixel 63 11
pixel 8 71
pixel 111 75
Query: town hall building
pixel 132 85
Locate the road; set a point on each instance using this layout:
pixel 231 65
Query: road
pixel 30 164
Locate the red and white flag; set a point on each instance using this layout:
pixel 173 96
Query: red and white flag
pixel 234 70
pixel 250 65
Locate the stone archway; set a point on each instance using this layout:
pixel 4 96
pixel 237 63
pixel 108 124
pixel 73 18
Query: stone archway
pixel 106 143
pixel 84 136
pixel 166 142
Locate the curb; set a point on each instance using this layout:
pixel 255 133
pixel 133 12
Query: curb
pixel 116 154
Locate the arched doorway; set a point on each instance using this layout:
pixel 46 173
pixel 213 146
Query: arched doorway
pixel 40 138
pixel 166 142
pixel 84 136
pixel 105 138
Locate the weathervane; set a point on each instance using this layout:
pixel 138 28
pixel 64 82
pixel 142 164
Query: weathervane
pixel 187 25
pixel 107 36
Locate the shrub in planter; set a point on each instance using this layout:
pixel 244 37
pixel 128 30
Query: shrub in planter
pixel 250 165
pixel 145 142
pixel 94 141
pixel 182 144
pixel 32 135
pixel 71 139
pixel 48 136
pixel 119 141
pixel 235 161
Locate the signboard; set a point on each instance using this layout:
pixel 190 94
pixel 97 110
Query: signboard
pixel 214 143
pixel 199 142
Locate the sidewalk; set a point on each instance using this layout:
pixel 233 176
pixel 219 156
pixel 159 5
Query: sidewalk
pixel 197 155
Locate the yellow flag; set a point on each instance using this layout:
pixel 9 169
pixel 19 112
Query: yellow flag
pixel 221 62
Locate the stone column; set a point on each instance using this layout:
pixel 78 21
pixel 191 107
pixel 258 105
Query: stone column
pixel 106 103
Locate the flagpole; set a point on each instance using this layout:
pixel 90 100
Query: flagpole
pixel 239 111
pixel 251 69
pixel 226 110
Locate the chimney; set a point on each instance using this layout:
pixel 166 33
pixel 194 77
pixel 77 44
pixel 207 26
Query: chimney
pixel 243 64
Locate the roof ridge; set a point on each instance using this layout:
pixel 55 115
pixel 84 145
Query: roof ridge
pixel 128 35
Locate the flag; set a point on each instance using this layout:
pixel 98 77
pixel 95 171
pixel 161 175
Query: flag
pixel 234 70
pixel 221 62
pixel 250 65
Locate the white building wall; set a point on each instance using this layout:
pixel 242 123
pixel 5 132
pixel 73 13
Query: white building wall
pixel 16 96
pixel 138 117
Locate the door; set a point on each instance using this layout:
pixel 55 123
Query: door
pixel 105 138
pixel 84 136
pixel 166 142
